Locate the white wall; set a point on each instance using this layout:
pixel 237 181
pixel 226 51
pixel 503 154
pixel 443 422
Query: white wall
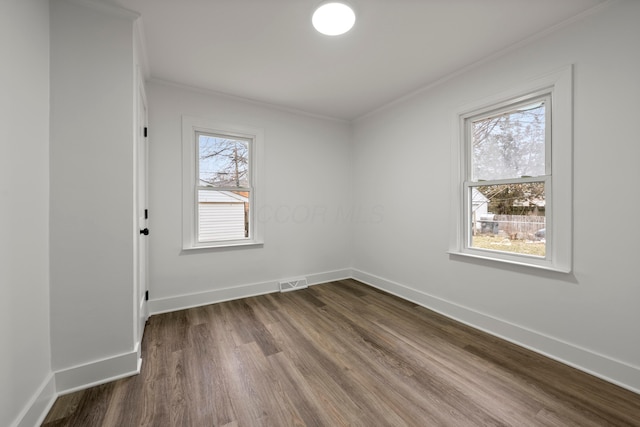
pixel 25 372
pixel 92 192
pixel 307 182
pixel 588 318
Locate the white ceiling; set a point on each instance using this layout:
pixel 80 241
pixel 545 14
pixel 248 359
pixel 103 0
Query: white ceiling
pixel 267 50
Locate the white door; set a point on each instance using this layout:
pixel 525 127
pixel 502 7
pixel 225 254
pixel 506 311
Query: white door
pixel 143 215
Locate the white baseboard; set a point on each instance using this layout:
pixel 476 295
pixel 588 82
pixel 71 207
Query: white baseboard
pixel 98 372
pixel 181 302
pixel 329 276
pixel 39 405
pixel 606 368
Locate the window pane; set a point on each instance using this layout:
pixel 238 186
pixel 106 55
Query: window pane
pixel 509 218
pixel 224 162
pixel 510 144
pixel 223 215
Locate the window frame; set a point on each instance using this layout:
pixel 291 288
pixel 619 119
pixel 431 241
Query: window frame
pixel 557 179
pixel 192 127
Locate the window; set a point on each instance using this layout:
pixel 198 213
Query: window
pixel 220 173
pixel 513 176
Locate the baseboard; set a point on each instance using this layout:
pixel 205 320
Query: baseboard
pixel 98 372
pixel 181 302
pixel 606 368
pixel 330 276
pixel 39 405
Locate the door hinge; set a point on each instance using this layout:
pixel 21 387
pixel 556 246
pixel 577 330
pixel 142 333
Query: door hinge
pixel 146 214
pixel 145 131
pixel 146 295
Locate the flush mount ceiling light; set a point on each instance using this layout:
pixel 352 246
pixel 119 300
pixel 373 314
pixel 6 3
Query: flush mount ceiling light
pixel 333 18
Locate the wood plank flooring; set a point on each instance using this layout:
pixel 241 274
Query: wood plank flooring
pixel 339 354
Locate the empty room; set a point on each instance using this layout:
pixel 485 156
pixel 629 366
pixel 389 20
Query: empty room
pixel 308 213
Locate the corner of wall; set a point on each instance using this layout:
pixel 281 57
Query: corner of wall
pixel 39 405
pixel 98 372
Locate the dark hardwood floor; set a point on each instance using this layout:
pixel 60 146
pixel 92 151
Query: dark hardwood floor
pixel 339 354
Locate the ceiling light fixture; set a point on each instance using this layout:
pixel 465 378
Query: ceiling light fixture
pixel 333 18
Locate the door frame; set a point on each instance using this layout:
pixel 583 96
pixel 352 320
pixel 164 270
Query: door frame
pixel 141 165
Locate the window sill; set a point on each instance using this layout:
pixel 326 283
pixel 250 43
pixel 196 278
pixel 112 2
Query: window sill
pixel 522 263
pixel 221 246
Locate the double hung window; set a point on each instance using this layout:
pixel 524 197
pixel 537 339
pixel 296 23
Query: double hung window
pixel 219 184
pixel 513 179
pixel 509 177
